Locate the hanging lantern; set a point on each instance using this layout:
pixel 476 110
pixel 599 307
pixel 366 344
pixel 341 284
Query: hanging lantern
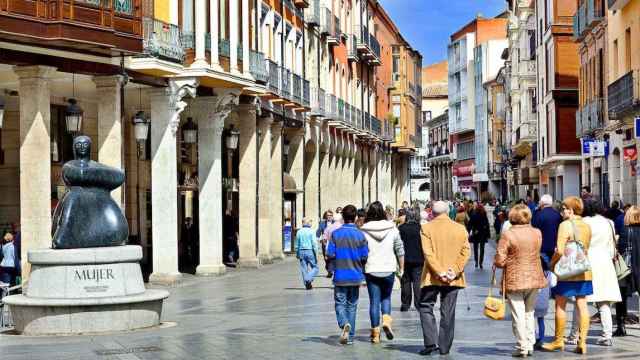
pixel 285 148
pixel 140 127
pixel 190 132
pixel 232 138
pixel 73 117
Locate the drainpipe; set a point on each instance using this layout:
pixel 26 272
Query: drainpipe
pixel 304 122
pixel 257 219
pixel 318 90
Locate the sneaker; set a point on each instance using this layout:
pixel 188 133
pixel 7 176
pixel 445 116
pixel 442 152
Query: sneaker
pixel 349 341
pixel 571 340
pixel 307 285
pixel 344 336
pixel 604 342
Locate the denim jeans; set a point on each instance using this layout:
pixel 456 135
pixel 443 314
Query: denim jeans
pixel 308 265
pixel 380 289
pixel 346 298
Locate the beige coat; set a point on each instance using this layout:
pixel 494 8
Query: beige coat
pixel 565 233
pixel 445 244
pixel 518 253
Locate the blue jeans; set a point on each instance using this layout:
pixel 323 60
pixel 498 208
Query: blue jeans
pixel 308 260
pixel 346 298
pixel 380 289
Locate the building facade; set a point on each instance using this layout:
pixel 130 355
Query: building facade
pixel 474 56
pixel 558 149
pixel 259 113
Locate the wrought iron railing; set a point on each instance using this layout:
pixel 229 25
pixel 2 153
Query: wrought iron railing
pixel 224 48
pixel 305 93
pixel 359 120
pixel 321 101
pixel 340 109
pixel 375 126
pixel 258 67
pixel 188 40
pixel 274 77
pixel 296 81
pixel 620 94
pixel 332 107
pixel 312 14
pixel 162 40
pixel 286 83
pixel 326 18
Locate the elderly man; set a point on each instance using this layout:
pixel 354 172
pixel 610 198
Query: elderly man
pixel 445 245
pixel 547 220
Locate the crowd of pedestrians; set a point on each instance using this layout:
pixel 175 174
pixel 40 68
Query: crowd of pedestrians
pixel 428 248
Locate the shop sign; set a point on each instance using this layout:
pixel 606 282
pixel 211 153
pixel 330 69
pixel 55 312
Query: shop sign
pixel 463 170
pixel 598 148
pixel 630 153
pixel 636 127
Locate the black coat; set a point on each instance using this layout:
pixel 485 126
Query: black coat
pixel 629 248
pixel 479 228
pixel 410 235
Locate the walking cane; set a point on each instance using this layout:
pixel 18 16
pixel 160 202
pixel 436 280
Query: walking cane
pixel 464 291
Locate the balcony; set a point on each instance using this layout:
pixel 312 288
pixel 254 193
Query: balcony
pixel 341 110
pixel 588 15
pixel 106 28
pixel 296 94
pixel 359 120
pixel 312 14
pixel 274 77
pixel 333 38
pixel 162 40
pixel 621 95
pixel 366 121
pixel 258 67
pixel 596 115
pixel 367 45
pixel 615 5
pixel 301 3
pixel 285 89
pixel 352 52
pixel 527 68
pixel 332 107
pixel 326 22
pixel 306 102
pixel 376 126
pixel 317 101
pixel 348 119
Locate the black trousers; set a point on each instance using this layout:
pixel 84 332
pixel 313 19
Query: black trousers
pixel 442 337
pixel 328 264
pixel 621 307
pixel 478 252
pixel 410 285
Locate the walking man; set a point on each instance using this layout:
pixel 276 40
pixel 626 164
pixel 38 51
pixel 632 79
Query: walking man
pixel 348 250
pixel 446 250
pixel 307 252
pixel 547 220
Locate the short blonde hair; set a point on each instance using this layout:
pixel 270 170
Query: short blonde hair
pixel 574 203
pixel 8 236
pixel 520 215
pixel 632 217
pixel 307 221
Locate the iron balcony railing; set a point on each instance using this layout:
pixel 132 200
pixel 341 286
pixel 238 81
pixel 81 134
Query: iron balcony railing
pixel 367 42
pixel 366 121
pixel 188 40
pixel 340 109
pixel 588 14
pixel 297 88
pixel 621 94
pixel 352 53
pixel 322 101
pixel 326 21
pixel 162 40
pixel 332 107
pixel 285 87
pixel 312 13
pixel 359 120
pixel 224 48
pixel 596 114
pixel 258 67
pixel 274 77
pixel 337 30
pixel 305 93
pixel 375 126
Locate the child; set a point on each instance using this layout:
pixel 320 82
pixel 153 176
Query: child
pixel 542 305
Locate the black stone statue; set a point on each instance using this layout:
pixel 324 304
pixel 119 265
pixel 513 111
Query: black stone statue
pixel 87 216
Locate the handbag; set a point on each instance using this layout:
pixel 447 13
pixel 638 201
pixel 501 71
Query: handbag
pixel 574 260
pixel 619 264
pixel 494 308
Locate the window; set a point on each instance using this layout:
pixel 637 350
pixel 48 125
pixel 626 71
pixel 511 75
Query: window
pixel 396 110
pixel 627 50
pixel 614 58
pixel 396 64
pixel 532 44
pixel 426 116
pixel 465 150
pixel 532 99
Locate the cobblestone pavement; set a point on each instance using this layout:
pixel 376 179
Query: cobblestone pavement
pixel 267 314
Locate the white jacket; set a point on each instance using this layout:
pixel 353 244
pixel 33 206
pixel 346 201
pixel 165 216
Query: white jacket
pixel 385 246
pixel 601 251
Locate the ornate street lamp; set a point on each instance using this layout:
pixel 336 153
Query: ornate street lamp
pixel 140 127
pixel 286 148
pixel 73 113
pixel 231 141
pixel 190 132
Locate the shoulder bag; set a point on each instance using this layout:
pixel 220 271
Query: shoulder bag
pixel 494 308
pixel 574 260
pixel 621 267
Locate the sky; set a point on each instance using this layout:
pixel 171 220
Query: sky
pixel 427 24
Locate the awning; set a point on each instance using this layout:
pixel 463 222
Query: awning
pixel 290 186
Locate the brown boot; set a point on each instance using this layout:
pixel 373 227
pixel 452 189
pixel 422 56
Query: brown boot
pixel 558 342
pixel 375 335
pixel 386 326
pixel 584 331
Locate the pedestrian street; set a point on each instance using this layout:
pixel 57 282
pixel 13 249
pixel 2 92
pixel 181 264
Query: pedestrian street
pixel 267 314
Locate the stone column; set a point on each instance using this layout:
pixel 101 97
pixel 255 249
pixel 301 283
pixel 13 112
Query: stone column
pixel 211 113
pixel 374 174
pixel 311 171
pixel 297 171
pixel 110 126
pixel 324 176
pixel 275 211
pixel 35 159
pixel 233 36
pixel 248 180
pixel 166 106
pixel 265 189
pixel 213 29
pixel 200 59
pixel 357 173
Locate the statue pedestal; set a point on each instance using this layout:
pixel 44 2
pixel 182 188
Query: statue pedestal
pixel 83 291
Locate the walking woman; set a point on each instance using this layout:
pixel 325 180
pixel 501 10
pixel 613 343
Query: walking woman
pixel 461 216
pixel 629 248
pixel 8 264
pixel 386 255
pixel 480 233
pixel 579 286
pixel 413 260
pixel 518 253
pixel 601 252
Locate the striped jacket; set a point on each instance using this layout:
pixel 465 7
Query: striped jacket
pixel 348 249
